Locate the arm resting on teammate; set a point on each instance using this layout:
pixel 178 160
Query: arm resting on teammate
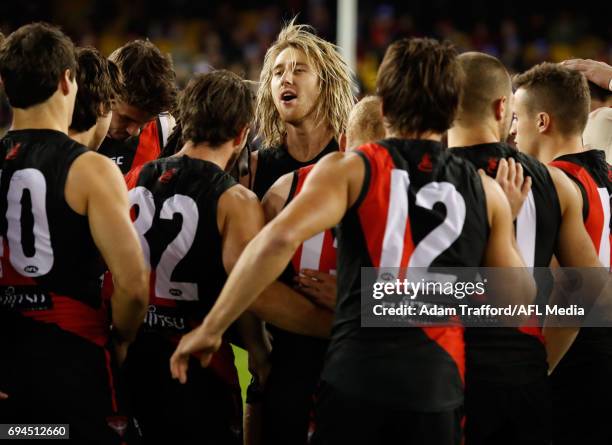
pixel 502 253
pixel 329 191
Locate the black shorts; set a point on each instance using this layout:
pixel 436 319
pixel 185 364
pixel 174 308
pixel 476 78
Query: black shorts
pixel 204 410
pixel 508 414
pixel 53 376
pixel 288 398
pixel 344 419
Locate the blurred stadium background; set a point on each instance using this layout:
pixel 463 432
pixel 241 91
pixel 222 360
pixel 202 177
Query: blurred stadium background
pixel 203 35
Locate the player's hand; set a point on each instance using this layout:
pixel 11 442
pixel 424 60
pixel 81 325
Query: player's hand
pixel 197 341
pixel 513 182
pixel 599 73
pixel 320 287
pixel 3 395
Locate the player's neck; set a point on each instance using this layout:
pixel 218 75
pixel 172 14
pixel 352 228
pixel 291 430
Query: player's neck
pixel 84 137
pixel 307 140
pixel 49 115
pixel 557 145
pixel 219 155
pixel 468 135
pixel 427 136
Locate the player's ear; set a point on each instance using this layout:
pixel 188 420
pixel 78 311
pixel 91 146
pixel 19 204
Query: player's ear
pixel 67 81
pixel 543 122
pixel 242 137
pixel 499 108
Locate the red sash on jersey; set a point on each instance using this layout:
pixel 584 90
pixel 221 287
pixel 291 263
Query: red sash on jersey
pixel 594 222
pixel 319 252
pixel 373 212
pixel 69 314
pixel 149 146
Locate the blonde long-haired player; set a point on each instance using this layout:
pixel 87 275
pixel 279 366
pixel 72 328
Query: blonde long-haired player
pixel 304 99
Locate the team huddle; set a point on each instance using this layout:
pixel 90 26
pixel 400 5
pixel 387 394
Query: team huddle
pixel 142 237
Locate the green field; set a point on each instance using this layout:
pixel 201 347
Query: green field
pixel 242 365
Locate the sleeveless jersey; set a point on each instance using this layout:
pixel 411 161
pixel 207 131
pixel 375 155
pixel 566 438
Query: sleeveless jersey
pixel 523 356
pixel 51 268
pixel 593 175
pixel 272 163
pixel 135 151
pixel 419 207
pixel 175 205
pixel 318 253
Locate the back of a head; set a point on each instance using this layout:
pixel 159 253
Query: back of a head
pixel 365 123
pixel 98 81
pixel 149 81
pixel 215 107
pixel 486 80
pixel 419 82
pixel 558 91
pixel 336 86
pixel 33 59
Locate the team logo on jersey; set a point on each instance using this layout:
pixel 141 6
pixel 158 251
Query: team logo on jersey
pixel 118 424
pixel 492 165
pixel 13 152
pixel 167 176
pixel 30 269
pixel 425 165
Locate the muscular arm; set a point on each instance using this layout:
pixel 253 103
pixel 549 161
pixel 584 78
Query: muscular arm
pixel 574 249
pixel 95 188
pixel 574 246
pixel 278 303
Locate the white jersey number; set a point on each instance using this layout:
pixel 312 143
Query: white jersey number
pixel 178 247
pixel 40 263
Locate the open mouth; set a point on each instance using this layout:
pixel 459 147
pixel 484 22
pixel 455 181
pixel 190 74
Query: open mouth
pixel 288 97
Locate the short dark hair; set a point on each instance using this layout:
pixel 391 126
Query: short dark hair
pixel 560 92
pixel 149 81
pixel 33 59
pixel 98 80
pixel 486 79
pixel 420 83
pixel 215 107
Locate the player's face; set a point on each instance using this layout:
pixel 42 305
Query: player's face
pixel 524 128
pixel 295 86
pixel 127 121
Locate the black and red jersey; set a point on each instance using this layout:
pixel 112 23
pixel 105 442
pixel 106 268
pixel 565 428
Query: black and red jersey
pixel 593 175
pixel 51 268
pixel 522 356
pixel 319 252
pixel 174 201
pixel 419 206
pixel 137 150
pixel 274 162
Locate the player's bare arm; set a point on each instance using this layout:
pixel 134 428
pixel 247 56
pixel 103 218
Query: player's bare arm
pixel 95 187
pixel 278 304
pixel 320 287
pixel 502 251
pixel 338 179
